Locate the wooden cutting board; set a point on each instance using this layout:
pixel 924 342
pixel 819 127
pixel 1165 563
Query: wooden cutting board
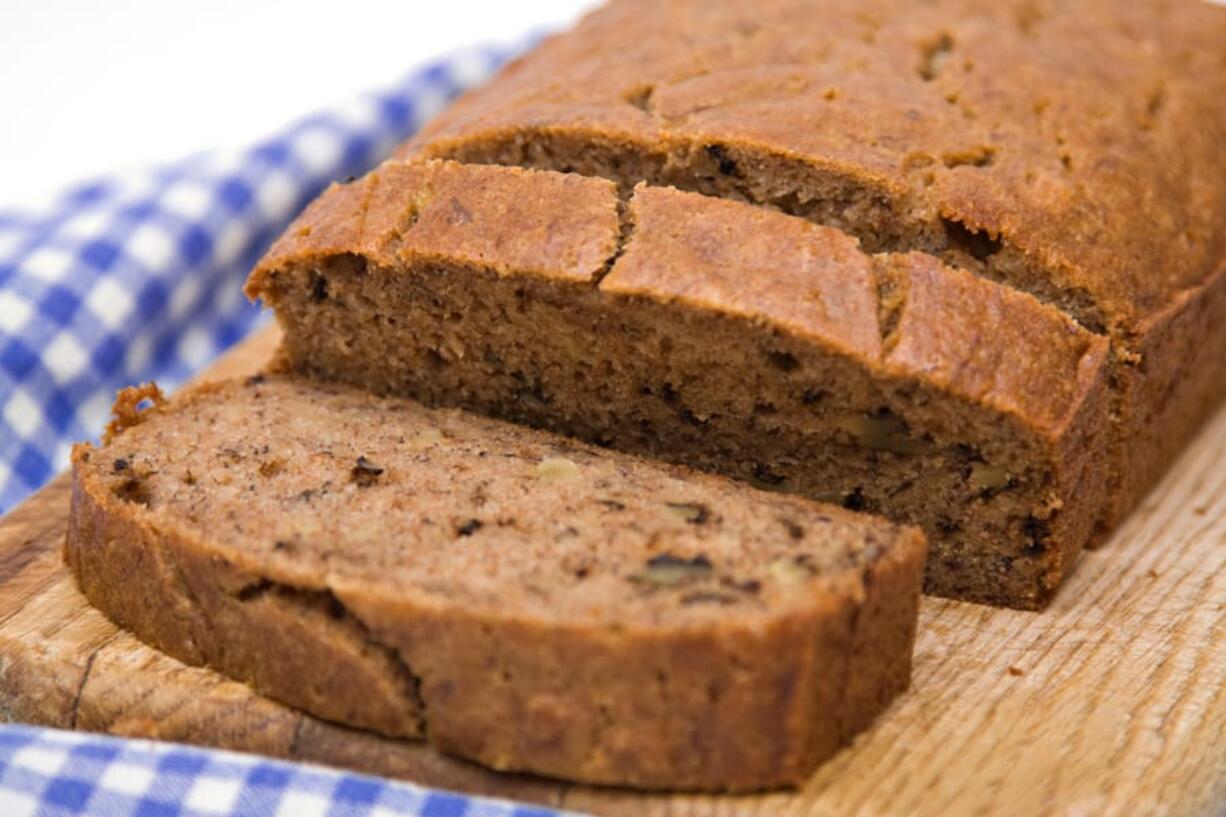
pixel 1113 701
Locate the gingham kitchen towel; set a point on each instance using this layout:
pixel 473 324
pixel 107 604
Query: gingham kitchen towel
pixel 49 773
pixel 137 278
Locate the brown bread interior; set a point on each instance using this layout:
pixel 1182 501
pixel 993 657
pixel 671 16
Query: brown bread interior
pixel 1005 509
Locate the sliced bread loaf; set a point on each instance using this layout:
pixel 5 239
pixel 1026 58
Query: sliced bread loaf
pixel 983 133
pixel 722 336
pixel 510 596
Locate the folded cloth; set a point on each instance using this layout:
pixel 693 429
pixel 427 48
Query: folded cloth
pixel 139 277
pixel 47 772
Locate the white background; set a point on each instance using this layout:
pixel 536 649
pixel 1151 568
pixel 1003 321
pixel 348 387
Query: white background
pixel 92 86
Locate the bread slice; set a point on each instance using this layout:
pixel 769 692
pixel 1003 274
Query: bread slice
pixel 513 597
pixel 718 335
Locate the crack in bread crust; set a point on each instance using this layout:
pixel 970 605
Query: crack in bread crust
pixel 883 220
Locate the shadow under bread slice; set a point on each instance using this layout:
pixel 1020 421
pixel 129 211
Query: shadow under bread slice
pixel 513 597
pixel 719 335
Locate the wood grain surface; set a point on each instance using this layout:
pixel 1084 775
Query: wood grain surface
pixel 1112 702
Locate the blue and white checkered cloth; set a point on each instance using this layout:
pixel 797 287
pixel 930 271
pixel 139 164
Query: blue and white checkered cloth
pixel 49 773
pixel 134 278
pixel 139 277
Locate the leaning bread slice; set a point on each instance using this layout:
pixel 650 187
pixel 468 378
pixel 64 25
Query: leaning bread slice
pixel 511 596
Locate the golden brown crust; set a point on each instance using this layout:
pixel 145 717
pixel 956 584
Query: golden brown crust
pixel 725 697
pixel 508 219
pixel 1103 173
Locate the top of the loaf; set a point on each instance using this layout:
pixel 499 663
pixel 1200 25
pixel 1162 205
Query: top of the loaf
pixel 1073 149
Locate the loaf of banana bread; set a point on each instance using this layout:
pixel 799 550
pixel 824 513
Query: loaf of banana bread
pixel 512 597
pixel 979 151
